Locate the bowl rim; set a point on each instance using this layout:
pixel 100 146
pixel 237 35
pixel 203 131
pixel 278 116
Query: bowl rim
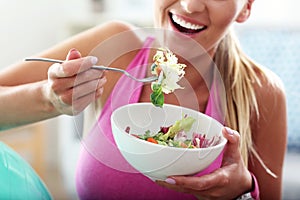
pixel 220 145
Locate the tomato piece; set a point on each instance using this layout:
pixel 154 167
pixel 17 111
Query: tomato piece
pixel 158 70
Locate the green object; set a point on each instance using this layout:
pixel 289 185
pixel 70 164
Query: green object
pixel 185 124
pixel 17 178
pixel 157 97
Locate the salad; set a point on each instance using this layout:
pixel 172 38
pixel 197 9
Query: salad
pixel 175 135
pixel 169 71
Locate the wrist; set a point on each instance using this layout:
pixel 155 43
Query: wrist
pixel 255 188
pixel 48 106
pixel 253 193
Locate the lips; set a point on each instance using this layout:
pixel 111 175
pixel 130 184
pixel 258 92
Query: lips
pixel 185 26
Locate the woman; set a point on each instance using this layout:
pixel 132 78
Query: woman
pixel 255 102
pixel 255 108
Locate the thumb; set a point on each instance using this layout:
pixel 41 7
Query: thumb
pixel 232 136
pixel 232 147
pixel 73 54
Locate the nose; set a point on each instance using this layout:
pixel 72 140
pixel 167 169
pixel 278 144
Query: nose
pixel 191 6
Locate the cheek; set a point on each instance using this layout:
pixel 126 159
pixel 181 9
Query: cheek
pixel 225 16
pixel 157 12
pixel 160 11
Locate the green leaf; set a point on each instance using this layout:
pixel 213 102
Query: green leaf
pixel 183 124
pixel 157 97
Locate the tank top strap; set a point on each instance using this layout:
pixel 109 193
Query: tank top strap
pixel 215 107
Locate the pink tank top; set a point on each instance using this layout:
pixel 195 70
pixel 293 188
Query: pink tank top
pixel 102 172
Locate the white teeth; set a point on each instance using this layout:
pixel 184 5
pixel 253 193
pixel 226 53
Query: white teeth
pixel 185 24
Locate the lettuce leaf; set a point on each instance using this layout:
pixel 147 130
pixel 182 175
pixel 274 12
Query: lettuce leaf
pixel 157 97
pixel 185 124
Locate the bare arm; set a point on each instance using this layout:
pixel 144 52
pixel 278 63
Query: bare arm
pixel 84 42
pixel 23 104
pixel 270 138
pixel 32 91
pixel 70 87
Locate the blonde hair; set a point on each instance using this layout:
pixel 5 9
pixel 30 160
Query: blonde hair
pixel 239 74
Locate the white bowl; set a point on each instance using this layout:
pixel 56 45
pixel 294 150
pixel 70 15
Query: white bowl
pixel 158 161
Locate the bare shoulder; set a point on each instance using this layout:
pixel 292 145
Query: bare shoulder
pixel 115 44
pixel 99 34
pixel 271 99
pixel 270 92
pixel 110 28
pixel 88 39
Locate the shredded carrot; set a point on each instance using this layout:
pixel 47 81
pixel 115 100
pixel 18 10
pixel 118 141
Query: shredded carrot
pixel 151 139
pixel 183 145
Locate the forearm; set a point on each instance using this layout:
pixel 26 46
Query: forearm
pixel 24 104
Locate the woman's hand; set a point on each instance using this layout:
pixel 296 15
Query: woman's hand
pixel 230 181
pixel 73 85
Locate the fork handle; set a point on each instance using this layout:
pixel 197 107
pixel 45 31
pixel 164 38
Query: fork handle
pixel 99 67
pixel 44 60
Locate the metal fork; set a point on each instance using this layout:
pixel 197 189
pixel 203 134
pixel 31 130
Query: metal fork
pixel 100 67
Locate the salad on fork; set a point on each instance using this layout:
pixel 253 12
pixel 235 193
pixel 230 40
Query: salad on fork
pixel 169 73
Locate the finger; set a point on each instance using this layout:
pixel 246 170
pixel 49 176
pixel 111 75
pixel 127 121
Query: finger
pixel 73 54
pixel 87 76
pixel 99 93
pixel 214 189
pixel 88 87
pixel 231 135
pixel 80 104
pixel 74 67
pixel 203 183
pixel 58 85
pixel 55 71
pixel 58 70
pixel 231 153
pixel 170 186
pixel 71 67
pixel 68 96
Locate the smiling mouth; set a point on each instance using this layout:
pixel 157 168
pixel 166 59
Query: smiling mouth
pixel 184 26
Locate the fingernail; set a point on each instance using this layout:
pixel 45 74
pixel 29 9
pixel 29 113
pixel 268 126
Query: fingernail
pixel 94 60
pixel 229 131
pixel 170 181
pixel 99 91
pixel 104 79
pixel 73 49
pixel 70 51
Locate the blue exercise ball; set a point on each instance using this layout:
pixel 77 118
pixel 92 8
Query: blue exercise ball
pixel 17 178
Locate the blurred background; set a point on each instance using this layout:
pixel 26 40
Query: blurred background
pixel 271 36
